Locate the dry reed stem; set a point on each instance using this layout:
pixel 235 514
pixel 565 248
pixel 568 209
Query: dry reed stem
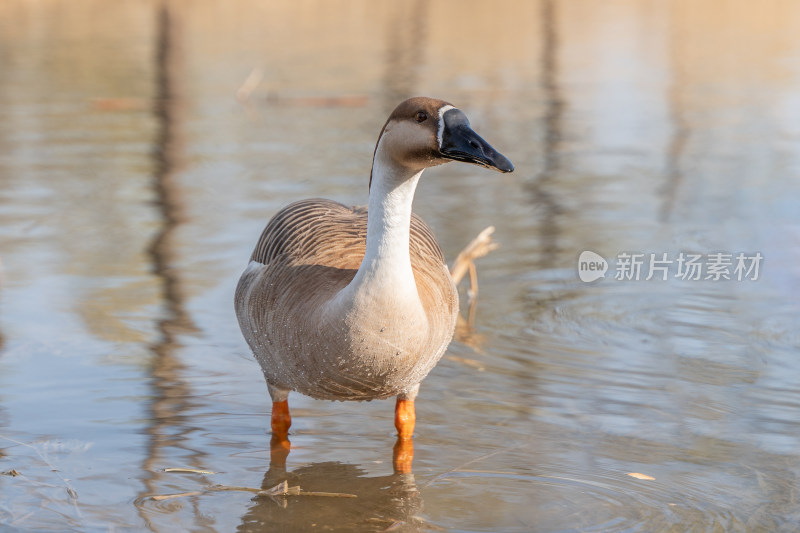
pixel 477 247
pixel 281 489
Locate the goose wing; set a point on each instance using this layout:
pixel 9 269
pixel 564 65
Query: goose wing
pixel 327 233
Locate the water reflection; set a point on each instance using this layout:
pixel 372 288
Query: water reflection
pixel 382 502
pixel 673 174
pixel 545 202
pixel 406 40
pixel 171 395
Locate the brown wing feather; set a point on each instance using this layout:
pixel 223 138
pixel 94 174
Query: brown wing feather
pixel 327 233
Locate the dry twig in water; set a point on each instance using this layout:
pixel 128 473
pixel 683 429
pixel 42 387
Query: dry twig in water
pixel 281 489
pixel 71 492
pixel 471 461
pixel 189 471
pixel 478 247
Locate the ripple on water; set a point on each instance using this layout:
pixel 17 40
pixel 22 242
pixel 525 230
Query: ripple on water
pixel 569 499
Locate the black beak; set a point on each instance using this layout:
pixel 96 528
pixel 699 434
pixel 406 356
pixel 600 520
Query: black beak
pixel 460 143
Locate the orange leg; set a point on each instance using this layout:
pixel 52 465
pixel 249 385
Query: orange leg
pixel 279 444
pixel 404 418
pixel 281 419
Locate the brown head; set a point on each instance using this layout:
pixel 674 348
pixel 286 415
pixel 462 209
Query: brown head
pixel 423 132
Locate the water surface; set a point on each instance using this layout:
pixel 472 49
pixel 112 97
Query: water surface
pixel 144 145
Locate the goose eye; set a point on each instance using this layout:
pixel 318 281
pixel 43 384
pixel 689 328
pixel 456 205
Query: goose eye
pixel 421 116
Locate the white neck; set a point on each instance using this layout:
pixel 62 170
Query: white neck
pixel 387 263
pixel 384 286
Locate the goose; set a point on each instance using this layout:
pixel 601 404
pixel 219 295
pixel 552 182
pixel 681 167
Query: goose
pixel 357 303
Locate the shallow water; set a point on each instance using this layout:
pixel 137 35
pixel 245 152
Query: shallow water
pixel 143 146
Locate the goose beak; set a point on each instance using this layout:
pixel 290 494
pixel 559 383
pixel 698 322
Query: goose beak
pixel 459 142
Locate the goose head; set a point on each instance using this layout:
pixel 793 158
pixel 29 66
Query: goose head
pixel 423 132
